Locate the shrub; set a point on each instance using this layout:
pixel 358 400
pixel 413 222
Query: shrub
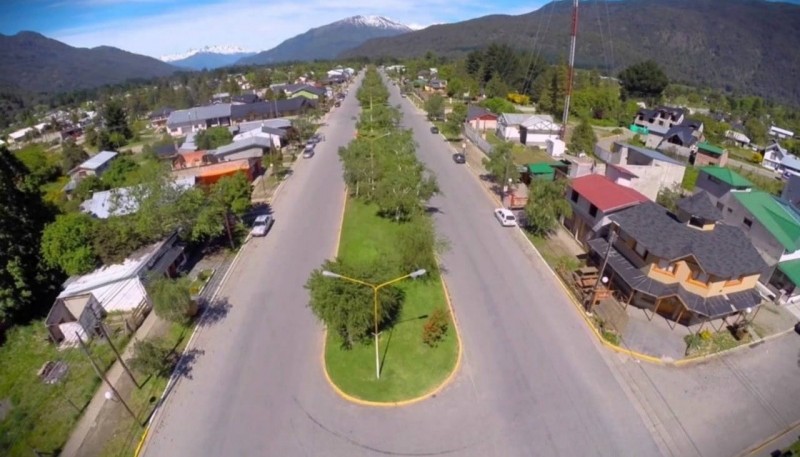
pixel 151 357
pixel 435 328
pixel 172 299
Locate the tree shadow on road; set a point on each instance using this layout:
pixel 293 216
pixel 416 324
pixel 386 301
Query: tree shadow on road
pixel 214 312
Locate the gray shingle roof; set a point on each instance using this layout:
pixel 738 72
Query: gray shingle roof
pixel 725 251
pixel 711 307
pixel 700 205
pixel 191 115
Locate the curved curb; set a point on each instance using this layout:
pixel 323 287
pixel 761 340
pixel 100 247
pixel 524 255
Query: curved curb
pixel 410 401
pixel 631 353
pixel 344 395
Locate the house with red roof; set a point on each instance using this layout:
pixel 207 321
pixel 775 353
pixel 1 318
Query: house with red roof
pixel 594 198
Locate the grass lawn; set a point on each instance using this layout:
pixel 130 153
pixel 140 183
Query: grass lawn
pixel 795 448
pixel 690 178
pixel 697 346
pixel 410 368
pixel 41 416
pixel 523 155
pixel 142 401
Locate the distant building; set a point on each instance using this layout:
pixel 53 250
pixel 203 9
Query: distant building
pixel 780 133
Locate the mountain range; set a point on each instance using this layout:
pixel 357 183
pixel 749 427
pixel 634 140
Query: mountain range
pixel 208 57
pixel 744 46
pixel 327 41
pixel 32 62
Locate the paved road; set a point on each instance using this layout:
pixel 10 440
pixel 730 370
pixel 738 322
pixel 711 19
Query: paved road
pixel 533 381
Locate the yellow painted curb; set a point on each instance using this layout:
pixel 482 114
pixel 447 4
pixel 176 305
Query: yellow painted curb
pixel 141 442
pixel 574 300
pixel 411 401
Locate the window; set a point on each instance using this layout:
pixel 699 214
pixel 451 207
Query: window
pixel 696 222
pixel 747 222
pixel 734 281
pixel 641 250
pixel 699 277
pixel 664 266
pixel 593 211
pixel 574 196
pixel 730 210
pixel 720 206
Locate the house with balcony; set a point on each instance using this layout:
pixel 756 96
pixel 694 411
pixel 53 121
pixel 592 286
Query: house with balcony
pixel 668 129
pixel 686 267
pixel 594 198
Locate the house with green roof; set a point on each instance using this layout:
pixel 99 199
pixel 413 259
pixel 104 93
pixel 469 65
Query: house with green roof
pixel 719 181
pixel 773 226
pixel 709 154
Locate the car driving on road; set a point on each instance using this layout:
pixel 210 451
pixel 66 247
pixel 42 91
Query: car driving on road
pixel 434 129
pixel 262 225
pixel 459 158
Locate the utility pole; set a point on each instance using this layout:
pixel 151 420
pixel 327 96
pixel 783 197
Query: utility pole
pixel 102 376
pixel 571 71
pixel 612 236
pixel 116 353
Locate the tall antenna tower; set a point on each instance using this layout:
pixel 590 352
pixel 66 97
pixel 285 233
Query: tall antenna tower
pixel 571 71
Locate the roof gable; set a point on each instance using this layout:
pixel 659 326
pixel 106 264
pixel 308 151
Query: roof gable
pixel 725 251
pixel 727 176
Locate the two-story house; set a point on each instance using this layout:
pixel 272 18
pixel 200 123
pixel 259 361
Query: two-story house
pixel 773 226
pixel 685 267
pixel 668 129
pixel 774 155
pixel 721 183
pixel 593 199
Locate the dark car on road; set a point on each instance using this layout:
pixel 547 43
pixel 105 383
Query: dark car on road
pixel 434 129
pixel 459 158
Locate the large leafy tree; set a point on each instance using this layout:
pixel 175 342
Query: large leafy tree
pixel 643 80
pixel 172 298
pixel 213 138
pixel 583 138
pixel 434 106
pixel 72 155
pixel 500 163
pixel 346 308
pixel 27 286
pixel 546 205
pixel 67 244
pixel 456 119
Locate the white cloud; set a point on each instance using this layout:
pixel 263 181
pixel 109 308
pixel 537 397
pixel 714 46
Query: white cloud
pixel 251 24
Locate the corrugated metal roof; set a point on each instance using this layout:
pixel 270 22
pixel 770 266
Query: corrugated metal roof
pixel 199 113
pixel 727 176
pixel 780 220
pixel 605 194
pixel 98 160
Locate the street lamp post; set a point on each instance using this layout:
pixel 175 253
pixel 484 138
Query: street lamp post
pixel 375 289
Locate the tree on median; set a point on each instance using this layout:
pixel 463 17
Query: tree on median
pixel 346 308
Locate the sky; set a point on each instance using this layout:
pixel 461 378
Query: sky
pixel 156 27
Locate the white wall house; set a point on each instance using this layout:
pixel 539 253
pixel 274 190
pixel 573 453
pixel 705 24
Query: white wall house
pixel 530 130
pixel 778 132
pixel 774 154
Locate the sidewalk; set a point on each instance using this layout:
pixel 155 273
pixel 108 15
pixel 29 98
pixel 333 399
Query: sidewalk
pixel 101 418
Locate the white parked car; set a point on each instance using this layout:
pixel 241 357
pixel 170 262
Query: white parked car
pixel 506 217
pixel 262 225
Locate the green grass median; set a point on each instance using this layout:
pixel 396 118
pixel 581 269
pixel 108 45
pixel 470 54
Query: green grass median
pixel 410 368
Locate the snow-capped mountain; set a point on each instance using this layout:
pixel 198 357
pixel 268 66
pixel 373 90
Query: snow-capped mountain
pixel 209 57
pixel 374 21
pixel 223 49
pixel 328 41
